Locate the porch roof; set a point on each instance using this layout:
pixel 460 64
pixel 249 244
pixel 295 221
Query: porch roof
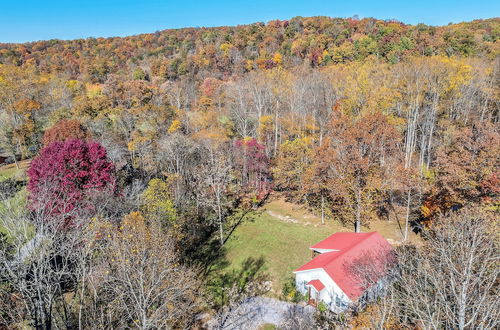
pixel 317 284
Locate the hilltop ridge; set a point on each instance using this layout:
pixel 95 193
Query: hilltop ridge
pixel 319 41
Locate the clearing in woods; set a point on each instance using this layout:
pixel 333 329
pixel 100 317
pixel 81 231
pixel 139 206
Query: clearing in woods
pixel 282 235
pixel 17 201
pixel 10 170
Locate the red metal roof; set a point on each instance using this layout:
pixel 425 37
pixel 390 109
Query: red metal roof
pixel 317 284
pixel 340 241
pixel 351 246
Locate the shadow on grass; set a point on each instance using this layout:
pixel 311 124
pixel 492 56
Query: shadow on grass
pixel 208 253
pixel 225 285
pixel 223 282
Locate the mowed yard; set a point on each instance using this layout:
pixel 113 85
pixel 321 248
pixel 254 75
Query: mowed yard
pixel 19 199
pixel 10 170
pixel 282 235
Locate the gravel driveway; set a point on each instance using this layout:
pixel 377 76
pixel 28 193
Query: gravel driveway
pixel 257 311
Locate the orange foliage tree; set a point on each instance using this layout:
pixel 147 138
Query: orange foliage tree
pixel 65 129
pixel 353 165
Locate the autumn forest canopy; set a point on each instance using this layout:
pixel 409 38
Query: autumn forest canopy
pixel 147 152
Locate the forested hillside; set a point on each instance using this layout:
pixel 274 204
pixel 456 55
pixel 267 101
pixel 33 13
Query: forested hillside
pixel 224 51
pixel 148 151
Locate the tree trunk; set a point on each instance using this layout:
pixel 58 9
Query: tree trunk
pixel 357 225
pixel 408 202
pixel 322 209
pixel 15 161
pixel 276 134
pixel 221 230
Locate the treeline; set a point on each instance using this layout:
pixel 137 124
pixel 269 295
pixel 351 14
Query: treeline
pixel 222 51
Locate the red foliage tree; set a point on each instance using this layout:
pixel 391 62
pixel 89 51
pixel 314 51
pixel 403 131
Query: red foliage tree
pixel 65 129
pixel 61 177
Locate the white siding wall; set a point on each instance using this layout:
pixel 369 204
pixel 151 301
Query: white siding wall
pixel 329 294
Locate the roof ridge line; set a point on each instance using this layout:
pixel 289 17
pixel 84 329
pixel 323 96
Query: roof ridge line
pixel 348 249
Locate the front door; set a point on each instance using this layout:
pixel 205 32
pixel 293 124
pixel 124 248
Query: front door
pixel 312 300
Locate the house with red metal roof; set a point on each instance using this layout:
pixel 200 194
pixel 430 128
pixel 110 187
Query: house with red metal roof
pixel 334 275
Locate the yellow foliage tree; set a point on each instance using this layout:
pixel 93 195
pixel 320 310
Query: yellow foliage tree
pixel 174 127
pixel 157 202
pixel 278 58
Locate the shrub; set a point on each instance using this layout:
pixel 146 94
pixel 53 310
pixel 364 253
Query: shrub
pixel 290 293
pixel 9 188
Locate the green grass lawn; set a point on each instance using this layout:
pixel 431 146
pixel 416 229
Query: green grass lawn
pixel 10 170
pixel 12 205
pixel 7 173
pixel 17 201
pixel 282 235
pixel 283 245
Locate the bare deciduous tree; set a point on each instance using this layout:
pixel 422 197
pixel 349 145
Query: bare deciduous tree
pixel 214 177
pixel 452 282
pixel 43 259
pixel 139 280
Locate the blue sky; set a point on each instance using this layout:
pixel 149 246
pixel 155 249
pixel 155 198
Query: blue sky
pixel 29 20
